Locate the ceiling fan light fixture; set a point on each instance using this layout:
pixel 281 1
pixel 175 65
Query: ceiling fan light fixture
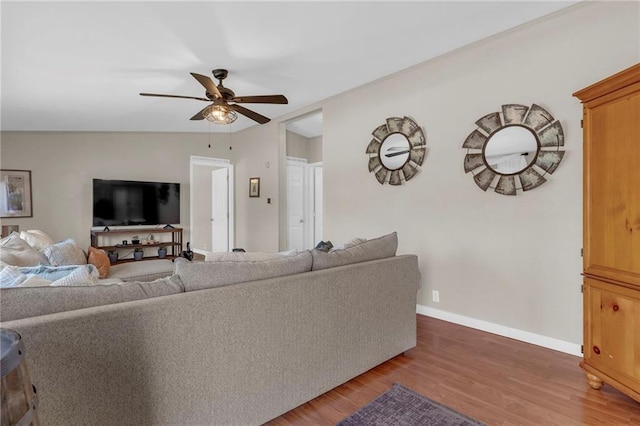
pixel 220 114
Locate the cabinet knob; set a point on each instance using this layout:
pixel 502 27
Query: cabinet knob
pixel 615 308
pixel 596 350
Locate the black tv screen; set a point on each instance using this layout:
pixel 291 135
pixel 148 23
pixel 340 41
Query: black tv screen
pixel 125 202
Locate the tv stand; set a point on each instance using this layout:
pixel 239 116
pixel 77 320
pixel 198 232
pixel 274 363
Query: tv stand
pixel 111 241
pixel 168 226
pixel 106 229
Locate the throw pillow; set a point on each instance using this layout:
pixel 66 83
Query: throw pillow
pixel 65 252
pixel 324 246
pixel 36 238
pixel 15 251
pixel 100 260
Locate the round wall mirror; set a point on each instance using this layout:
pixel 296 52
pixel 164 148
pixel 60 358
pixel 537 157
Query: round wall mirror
pixel 394 151
pixel 512 150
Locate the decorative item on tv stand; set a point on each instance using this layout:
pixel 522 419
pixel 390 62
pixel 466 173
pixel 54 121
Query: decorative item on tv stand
pixel 162 252
pixel 113 256
pixel 138 253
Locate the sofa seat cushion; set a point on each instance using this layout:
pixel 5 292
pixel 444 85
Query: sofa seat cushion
pixel 26 302
pixel 199 275
pixel 143 270
pixel 357 251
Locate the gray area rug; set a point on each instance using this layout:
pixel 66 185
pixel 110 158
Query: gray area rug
pixel 400 406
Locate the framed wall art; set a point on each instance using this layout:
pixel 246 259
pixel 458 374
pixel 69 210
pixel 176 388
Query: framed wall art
pixel 15 193
pixel 254 187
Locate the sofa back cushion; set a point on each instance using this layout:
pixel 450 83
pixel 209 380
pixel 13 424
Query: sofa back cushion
pixel 199 275
pixel 25 302
pixel 378 248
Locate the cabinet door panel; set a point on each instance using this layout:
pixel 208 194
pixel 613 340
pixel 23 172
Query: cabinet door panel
pixel 612 219
pixel 612 330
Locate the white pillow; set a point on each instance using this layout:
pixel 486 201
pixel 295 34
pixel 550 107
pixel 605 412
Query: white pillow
pixel 65 252
pixel 36 238
pixel 16 251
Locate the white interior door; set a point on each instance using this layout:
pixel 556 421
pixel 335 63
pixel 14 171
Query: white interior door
pixel 220 210
pixel 295 204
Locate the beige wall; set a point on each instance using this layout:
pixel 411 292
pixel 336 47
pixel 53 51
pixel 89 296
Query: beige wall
pixel 302 147
pixel 297 145
pixel 63 165
pixel 201 214
pixel 315 150
pixel 257 154
pixel 512 261
pixel 511 264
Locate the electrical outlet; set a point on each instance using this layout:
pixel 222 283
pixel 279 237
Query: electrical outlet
pixel 435 296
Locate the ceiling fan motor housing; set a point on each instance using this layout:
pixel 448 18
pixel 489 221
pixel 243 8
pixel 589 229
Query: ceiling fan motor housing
pixel 220 73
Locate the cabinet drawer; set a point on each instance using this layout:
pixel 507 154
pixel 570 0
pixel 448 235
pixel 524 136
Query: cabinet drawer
pixel 612 330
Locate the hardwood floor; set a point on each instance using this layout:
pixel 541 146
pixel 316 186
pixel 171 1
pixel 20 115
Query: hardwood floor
pixel 493 379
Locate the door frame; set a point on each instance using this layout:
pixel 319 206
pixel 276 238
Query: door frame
pixel 310 213
pixel 302 162
pixel 214 163
pixel 214 199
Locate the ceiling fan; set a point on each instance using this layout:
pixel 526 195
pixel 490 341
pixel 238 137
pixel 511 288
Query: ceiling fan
pixel 225 102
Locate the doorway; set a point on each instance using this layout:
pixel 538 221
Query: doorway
pixel 303 188
pixel 211 205
pixel 304 203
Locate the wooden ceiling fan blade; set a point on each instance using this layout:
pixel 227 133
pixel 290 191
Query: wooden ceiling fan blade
pixel 251 114
pixel 266 99
pixel 175 96
pixel 208 84
pixel 200 114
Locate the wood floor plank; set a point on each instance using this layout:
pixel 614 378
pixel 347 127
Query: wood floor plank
pixel 493 379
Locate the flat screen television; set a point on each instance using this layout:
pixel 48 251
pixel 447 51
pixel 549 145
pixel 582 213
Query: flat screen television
pixel 130 203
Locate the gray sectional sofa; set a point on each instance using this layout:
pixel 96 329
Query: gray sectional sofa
pixel 217 342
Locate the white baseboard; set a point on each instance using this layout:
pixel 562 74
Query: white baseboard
pixel 501 330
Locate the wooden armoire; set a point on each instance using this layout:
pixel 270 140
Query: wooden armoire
pixel 611 124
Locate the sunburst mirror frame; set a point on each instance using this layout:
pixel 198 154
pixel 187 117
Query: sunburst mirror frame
pixel 549 138
pixel 414 152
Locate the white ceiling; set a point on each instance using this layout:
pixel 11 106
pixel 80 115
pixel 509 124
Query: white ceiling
pixel 80 66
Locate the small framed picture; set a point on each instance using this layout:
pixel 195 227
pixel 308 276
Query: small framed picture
pixel 15 193
pixel 254 187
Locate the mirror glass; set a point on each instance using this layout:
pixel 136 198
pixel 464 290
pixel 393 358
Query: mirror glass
pixel 511 149
pixel 394 151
